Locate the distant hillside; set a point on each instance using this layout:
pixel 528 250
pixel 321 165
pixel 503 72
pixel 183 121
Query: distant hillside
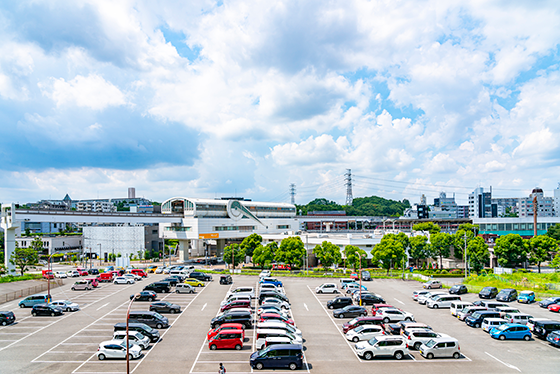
pixel 362 206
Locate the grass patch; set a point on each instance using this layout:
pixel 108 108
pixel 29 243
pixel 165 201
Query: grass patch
pixel 544 285
pixel 13 278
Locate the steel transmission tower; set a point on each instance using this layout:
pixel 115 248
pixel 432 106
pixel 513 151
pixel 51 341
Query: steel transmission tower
pixel 348 180
pixel 293 193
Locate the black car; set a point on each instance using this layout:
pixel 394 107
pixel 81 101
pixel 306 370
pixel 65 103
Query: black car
pixel 233 316
pixel 475 319
pixel 152 319
pixel 339 302
pixel 488 293
pixel 93 271
pixel 142 328
pixel 7 318
pixel 551 300
pixel 350 311
pixel 265 294
pixel 145 296
pixel 158 287
pixel 541 329
pixel 171 280
pixel 200 276
pixel 366 276
pixel 165 307
pixel 46 310
pixel 458 289
pixel 226 279
pixel 507 294
pixel 369 299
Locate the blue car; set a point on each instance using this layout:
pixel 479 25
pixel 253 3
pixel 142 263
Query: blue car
pixel 554 338
pixel 511 331
pixel 526 297
pixel 273 281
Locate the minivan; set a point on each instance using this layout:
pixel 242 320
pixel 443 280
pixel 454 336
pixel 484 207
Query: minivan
pixel 493 305
pixel 29 301
pixel 519 318
pixel 264 334
pixel 507 294
pixel 339 302
pixel 159 287
pixel 227 339
pixel 152 319
pixel 442 301
pixel 543 328
pixel 488 293
pixel 278 356
pixel 441 347
pixel 475 319
pixel 279 326
pixel 489 323
pixel 142 328
pixel 457 306
pixel 327 288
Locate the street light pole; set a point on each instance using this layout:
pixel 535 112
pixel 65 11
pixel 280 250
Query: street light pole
pixel 127 340
pixel 360 274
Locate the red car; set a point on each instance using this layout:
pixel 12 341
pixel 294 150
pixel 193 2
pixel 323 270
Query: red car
pixel 275 317
pixel 281 267
pixel 376 307
pixel 225 326
pixel 83 272
pixel 139 272
pixel 554 308
pixel 359 321
pixel 354 276
pixel 93 282
pixel 48 274
pixel 105 277
pixel 236 304
pixel 229 339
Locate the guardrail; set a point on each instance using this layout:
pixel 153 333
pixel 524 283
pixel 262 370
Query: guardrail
pixel 4 298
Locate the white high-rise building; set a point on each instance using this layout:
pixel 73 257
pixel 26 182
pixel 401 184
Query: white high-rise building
pixel 557 201
pixel 545 204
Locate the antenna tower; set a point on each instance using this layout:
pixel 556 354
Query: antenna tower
pixel 293 193
pixel 348 180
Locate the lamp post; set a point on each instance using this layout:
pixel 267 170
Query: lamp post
pixel 360 274
pixel 49 268
pixel 99 244
pixel 127 341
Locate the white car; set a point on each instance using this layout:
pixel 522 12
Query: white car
pixel 417 294
pixel 280 326
pixel 245 290
pixel 66 305
pixel 123 280
pixel 60 274
pixel 416 337
pixel 133 337
pixel 275 301
pixel 264 273
pixel 327 288
pixel 133 276
pixel 364 332
pixel 389 345
pixel 271 287
pixel 159 270
pixel 273 309
pixel 394 315
pixel 424 298
pixel 117 349
pixel 73 273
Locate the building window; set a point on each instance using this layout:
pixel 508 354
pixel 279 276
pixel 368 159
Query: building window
pixel 529 226
pixel 515 226
pixel 280 227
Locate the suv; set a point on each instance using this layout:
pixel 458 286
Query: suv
pixel 243 317
pixel 394 315
pixel 339 302
pixel 327 288
pixel 82 285
pixel 416 337
pixel 200 276
pixel 488 293
pixel 458 289
pixel 144 296
pixel 507 294
pixel 475 319
pixel 7 318
pixel 158 287
pixel 278 356
pixel 226 279
pixel 142 328
pixel 368 299
pixel 382 346
pixel 541 329
pixel 432 284
pixel 152 319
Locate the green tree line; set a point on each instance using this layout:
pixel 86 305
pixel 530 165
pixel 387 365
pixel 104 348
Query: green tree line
pixel 361 206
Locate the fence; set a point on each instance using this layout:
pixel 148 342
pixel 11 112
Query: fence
pixel 4 298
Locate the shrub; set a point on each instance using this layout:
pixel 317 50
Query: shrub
pixel 444 272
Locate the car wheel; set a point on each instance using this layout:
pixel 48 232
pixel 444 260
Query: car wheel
pixel 176 291
pixel 213 347
pixel 436 306
pixel 68 309
pixel 477 325
pixel 101 357
pixel 73 289
pixel 172 311
pixel 52 314
pixel 456 355
pixel 259 366
pixel 355 339
pixel 368 355
pixel 430 356
pixel 502 337
pixel 341 315
pixel 330 307
pixel 34 314
pixel 293 366
pixel 386 320
pixel 527 337
pixel 159 326
pixel 21 306
pixel 237 347
pixel 320 291
pixel 4 323
pixel 130 357
pixel 399 355
pixel 417 345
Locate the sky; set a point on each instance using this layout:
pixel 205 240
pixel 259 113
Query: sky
pixel 205 98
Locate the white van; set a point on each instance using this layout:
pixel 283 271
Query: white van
pixel 424 298
pixel 327 288
pixel 520 318
pixel 489 323
pixel 279 326
pixel 263 335
pixel 457 306
pixel 507 310
pixel 441 347
pixel 442 301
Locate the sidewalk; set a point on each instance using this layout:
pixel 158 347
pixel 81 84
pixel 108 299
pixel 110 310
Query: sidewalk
pixel 15 290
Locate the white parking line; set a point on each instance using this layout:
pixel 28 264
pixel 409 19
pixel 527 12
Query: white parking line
pixel 204 306
pixel 397 300
pixel 103 306
pixel 504 363
pixel 306 308
pixel 304 358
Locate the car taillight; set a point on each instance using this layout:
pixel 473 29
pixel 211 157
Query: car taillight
pixel 409 337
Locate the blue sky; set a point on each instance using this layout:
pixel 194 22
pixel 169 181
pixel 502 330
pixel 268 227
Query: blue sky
pixel 220 98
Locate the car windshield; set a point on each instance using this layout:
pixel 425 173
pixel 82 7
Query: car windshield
pixel 476 315
pixel 372 341
pixel 123 344
pixel 430 343
pixel 263 352
pixel 165 303
pixel 359 328
pixel 353 321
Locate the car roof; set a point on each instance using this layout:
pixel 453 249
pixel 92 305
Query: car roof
pixel 285 346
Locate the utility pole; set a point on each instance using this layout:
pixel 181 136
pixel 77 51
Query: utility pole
pixel 348 180
pixel 293 193
pixel 535 212
pixel 466 265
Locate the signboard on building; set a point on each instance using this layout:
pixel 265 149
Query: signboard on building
pixel 212 235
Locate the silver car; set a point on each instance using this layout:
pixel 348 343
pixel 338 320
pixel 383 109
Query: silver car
pixel 134 337
pixel 66 305
pixel 117 349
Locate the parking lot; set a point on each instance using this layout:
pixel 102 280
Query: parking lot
pixel 68 344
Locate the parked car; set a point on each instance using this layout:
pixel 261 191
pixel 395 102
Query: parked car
pixel 361 321
pixel 93 282
pixel 394 315
pixel 457 306
pixel 123 280
pixel 364 332
pixel 507 295
pixel 551 300
pixel 416 337
pixel 417 294
pixel 60 274
pixel 66 305
pixel 505 310
pixel 519 318
pixel 423 299
pixel 441 347
pixel 554 308
pixel 475 319
pixel 82 285
pixel 274 281
pixel 134 277
pixel 526 297
pixel 327 288
pixel 433 283
pixel 152 319
pixel 274 301
pixel 159 287
pixel 151 269
pixel 144 296
pixel 339 302
pixel 541 329
pixel 368 299
pixel 93 271
pixel 276 325
pixel 47 274
pixel 278 356
pixel 394 346
pixel 227 339
pixel 458 289
pixel 134 337
pixel 184 288
pixel 233 316
pixel 142 328
pixel 264 273
pixel 275 317
pixel 32 300
pixel 105 277
pixel 224 327
pixel 377 307
pixel 366 276
pixel 511 331
pixel 165 307
pixel 466 312
pixel 488 293
pixel 272 294
pixel 46 310
pixel 263 335
pixel 350 311
pixel 194 282
pixel 442 301
pixel 117 349
pixel 139 272
pixel 234 304
pixel 490 323
pixel 554 338
pixel 226 279
pixel 83 272
pixel 244 290
pixel 201 276
pixel 272 309
pixel 7 318
pixel 73 273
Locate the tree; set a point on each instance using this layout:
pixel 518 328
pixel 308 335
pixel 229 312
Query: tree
pixel 555 263
pixel 431 227
pixel 461 238
pixel 510 249
pixel 353 255
pixel 1 247
pixel 440 243
pixel 540 249
pixel 291 251
pixel 23 257
pixel 554 232
pixel 238 254
pixel 477 253
pixel 250 243
pixel 328 254
pixel 263 255
pixel 389 251
pixel 419 248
